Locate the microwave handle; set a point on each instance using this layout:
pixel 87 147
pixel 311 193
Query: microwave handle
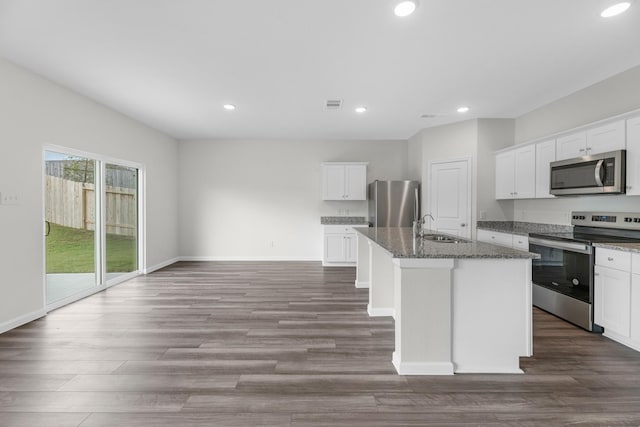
pixel 599 173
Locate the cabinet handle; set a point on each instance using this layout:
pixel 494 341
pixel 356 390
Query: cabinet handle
pixel 582 150
pixel 589 148
pixel 610 259
pixel 493 237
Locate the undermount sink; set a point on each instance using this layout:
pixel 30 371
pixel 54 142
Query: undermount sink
pixel 441 238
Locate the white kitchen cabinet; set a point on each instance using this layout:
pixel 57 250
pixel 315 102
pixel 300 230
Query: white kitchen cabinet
pixel 340 246
pixel 573 145
pixel 545 154
pixel 612 306
pixel 635 310
pixel 505 175
pixel 521 242
pixel 344 181
pixel 633 156
pixel 516 173
pixel 599 139
pixel 609 137
pixel 497 238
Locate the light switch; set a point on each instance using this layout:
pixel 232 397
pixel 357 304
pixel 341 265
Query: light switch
pixel 8 199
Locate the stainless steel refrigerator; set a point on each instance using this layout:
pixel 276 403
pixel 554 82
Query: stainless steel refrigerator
pixel 394 203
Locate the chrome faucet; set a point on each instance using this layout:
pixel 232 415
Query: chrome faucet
pixel 417 225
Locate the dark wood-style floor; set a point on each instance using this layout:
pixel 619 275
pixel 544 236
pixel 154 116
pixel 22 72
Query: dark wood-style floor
pixel 282 344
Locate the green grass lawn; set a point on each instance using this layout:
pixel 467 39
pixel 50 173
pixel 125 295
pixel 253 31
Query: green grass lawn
pixel 71 250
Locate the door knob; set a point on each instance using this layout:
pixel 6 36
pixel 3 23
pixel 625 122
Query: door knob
pixel 463 225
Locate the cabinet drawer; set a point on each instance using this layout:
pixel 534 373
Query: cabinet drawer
pixel 502 239
pixel 338 229
pixel 618 260
pixel 520 242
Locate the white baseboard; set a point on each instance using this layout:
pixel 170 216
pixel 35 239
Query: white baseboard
pixel 362 285
pixel 489 370
pixel 622 340
pixel 21 320
pixel 161 265
pixel 422 368
pixel 380 312
pixel 221 258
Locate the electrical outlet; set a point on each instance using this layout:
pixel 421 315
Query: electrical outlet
pixel 8 199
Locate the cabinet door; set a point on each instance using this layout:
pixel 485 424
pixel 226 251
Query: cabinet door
pixel 333 182
pixel 334 248
pixel 635 308
pixel 570 146
pixel 545 154
pixel 351 248
pixel 356 182
pixel 612 300
pixel 525 172
pixel 605 138
pixel 633 156
pixel 505 178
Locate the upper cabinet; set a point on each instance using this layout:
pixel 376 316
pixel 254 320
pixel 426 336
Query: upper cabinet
pixel 633 156
pixel 515 173
pixel 545 154
pixel 344 181
pixel 570 146
pixel 601 139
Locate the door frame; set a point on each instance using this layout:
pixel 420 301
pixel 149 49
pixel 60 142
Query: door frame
pixel 100 241
pixel 428 199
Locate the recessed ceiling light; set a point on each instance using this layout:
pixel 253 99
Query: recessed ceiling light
pixel 361 110
pixel 405 8
pixel 229 107
pixel 463 109
pixel 616 9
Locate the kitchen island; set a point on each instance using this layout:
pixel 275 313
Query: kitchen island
pixel 458 306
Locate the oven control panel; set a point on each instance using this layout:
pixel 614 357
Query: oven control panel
pixel 625 220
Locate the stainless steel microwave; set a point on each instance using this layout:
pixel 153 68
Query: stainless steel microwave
pixel 603 173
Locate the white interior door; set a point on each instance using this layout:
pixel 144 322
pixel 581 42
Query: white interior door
pixel 450 197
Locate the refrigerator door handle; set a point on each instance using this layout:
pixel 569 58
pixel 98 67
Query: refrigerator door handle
pixel 416 206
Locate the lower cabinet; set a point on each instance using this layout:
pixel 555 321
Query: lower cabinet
pixel 340 246
pixel 616 302
pixel 612 307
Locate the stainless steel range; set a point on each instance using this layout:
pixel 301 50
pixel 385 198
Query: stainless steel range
pixel 563 276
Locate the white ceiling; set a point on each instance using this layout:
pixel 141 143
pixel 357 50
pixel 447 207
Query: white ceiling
pixel 172 63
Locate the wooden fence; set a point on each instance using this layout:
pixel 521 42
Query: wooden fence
pixel 72 204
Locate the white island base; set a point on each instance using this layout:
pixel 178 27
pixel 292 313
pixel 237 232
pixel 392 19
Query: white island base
pixel 461 315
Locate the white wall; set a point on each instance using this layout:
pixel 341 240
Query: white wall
pixel 263 199
pixel 493 134
pixel 616 95
pixel 34 112
pixel 474 139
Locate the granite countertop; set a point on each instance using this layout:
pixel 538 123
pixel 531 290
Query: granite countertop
pixel 625 247
pixel 343 220
pixel 522 228
pixel 400 243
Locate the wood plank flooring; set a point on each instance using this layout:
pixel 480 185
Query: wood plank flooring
pixel 283 344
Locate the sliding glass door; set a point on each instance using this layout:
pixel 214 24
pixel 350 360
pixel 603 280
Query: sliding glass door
pixel 91 224
pixel 121 220
pixel 71 241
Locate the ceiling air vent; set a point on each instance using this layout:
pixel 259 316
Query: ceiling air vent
pixel 333 104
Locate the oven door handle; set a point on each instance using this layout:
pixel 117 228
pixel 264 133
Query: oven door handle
pixel 582 248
